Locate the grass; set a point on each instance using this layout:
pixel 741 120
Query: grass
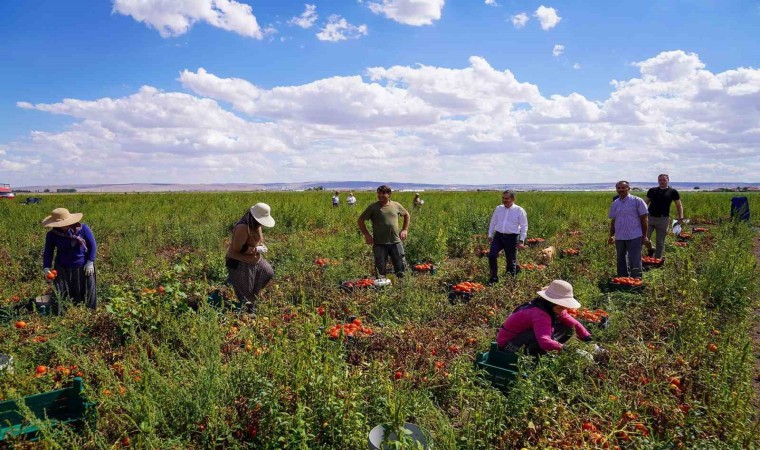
pixel 166 376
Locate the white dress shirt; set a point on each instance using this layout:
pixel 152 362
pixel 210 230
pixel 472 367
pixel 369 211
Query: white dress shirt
pixel 511 220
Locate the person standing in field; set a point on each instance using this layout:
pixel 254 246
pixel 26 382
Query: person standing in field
pixel 72 242
pixel 659 199
pixel 386 238
pixel 248 271
pixel 351 200
pixel 507 231
pixel 628 228
pixel 336 199
pixel 417 203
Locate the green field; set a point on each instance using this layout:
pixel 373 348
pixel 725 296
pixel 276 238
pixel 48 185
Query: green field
pixel 166 376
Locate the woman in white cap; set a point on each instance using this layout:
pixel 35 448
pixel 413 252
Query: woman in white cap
pixel 248 271
pixel 543 324
pixel 74 247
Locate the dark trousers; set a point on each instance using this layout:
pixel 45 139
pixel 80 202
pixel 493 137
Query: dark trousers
pixel 527 340
pixel 508 243
pixel 397 254
pixel 72 283
pixel 629 255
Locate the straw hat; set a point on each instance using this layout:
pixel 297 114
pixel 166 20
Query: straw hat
pixel 262 213
pixel 61 217
pixel 560 293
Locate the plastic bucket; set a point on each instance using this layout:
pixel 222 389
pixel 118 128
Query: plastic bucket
pixel 6 363
pixel 377 437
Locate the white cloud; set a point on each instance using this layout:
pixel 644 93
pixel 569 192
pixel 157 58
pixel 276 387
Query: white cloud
pixel 670 66
pixel 458 123
pixel 338 29
pixel 548 17
pixel 409 12
pixel 347 102
pixel 307 18
pixel 12 166
pixel 519 20
pixel 576 66
pixel 558 50
pixel 491 3
pixel 176 17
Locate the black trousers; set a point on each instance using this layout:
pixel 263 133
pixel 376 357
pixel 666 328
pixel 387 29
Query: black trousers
pixel 72 283
pixel 508 243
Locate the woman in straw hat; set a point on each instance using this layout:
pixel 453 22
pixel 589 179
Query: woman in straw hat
pixel 543 324
pixel 74 246
pixel 248 271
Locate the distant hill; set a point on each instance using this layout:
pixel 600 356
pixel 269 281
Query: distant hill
pixel 371 186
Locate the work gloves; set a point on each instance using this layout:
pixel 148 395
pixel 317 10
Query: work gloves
pixel 89 268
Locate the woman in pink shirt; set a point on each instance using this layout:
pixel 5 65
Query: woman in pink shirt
pixel 543 324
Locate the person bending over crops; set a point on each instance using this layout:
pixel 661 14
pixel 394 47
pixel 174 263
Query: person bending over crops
pixel 628 229
pixel 507 231
pixel 248 271
pixel 386 239
pixel 543 324
pixel 72 242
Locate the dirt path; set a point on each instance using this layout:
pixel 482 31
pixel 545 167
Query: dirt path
pixel 755 333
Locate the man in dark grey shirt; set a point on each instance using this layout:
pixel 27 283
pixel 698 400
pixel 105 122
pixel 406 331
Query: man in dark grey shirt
pixel 658 200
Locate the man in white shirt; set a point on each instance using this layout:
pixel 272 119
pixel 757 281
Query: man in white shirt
pixel 351 200
pixel 507 231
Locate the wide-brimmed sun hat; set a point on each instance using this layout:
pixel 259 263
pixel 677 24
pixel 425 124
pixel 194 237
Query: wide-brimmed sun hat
pixel 560 293
pixel 262 213
pixel 61 217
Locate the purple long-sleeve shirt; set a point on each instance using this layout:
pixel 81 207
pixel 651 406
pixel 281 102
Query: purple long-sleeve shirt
pixel 66 254
pixel 541 323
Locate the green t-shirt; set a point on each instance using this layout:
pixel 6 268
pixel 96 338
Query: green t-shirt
pixel 384 219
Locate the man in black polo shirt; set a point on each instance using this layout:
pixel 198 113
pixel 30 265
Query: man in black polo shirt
pixel 659 199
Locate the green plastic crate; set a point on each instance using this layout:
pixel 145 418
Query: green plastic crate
pixel 60 407
pixel 217 300
pixel 499 367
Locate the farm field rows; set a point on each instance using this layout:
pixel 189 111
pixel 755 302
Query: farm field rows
pixel 678 373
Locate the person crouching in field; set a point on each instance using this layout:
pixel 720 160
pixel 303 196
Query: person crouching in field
pixel 543 324
pixel 248 271
pixel 386 239
pixel 73 244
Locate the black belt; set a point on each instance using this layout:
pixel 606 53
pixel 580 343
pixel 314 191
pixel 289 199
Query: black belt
pixel 506 234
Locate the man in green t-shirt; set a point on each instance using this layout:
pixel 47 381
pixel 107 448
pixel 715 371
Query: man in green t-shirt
pixel 386 237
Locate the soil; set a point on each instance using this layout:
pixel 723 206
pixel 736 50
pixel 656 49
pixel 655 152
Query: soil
pixel 755 334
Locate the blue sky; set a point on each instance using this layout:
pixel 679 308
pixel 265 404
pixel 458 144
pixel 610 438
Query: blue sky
pixel 477 91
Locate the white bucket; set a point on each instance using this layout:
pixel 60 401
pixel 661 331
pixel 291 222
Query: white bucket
pixel 377 437
pixel 6 363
